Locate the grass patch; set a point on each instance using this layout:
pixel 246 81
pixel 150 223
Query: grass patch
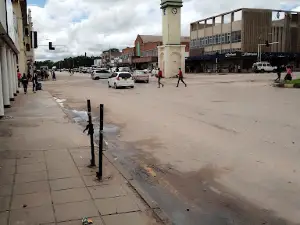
pixel 296 81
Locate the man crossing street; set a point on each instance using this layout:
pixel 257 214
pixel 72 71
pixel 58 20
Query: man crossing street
pixel 180 78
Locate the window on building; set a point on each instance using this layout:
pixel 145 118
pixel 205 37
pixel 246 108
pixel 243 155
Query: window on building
pixel 223 39
pixel 210 40
pixel 228 37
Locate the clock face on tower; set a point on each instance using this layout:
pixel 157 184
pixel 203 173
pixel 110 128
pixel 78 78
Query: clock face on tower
pixel 174 10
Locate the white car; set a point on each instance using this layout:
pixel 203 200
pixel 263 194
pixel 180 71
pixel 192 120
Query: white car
pixel 100 74
pixel 140 75
pixel 263 67
pixel 120 79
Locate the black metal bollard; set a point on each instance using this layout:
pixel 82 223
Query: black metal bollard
pixel 90 128
pixel 100 172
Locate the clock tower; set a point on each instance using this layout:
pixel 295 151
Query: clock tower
pixel 171 55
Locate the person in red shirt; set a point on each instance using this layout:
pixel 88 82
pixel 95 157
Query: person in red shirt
pixel 180 78
pixel 159 76
pixel 19 78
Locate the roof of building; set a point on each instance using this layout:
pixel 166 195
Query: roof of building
pixel 245 9
pixel 156 38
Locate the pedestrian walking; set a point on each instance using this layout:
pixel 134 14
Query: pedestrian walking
pixel 288 76
pixel 34 82
pixel 278 70
pixel 159 77
pixel 53 75
pixel 25 82
pixel 180 78
pixel 19 78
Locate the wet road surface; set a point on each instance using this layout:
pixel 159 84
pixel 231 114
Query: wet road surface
pixel 188 196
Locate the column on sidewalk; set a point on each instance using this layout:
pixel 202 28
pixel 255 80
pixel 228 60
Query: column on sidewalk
pixel 13 73
pixel 1 94
pixel 9 70
pixel 4 72
pixel 16 72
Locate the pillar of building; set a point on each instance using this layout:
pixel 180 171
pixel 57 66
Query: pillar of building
pixel 14 75
pixel 9 71
pixel 16 72
pixel 4 73
pixel 1 95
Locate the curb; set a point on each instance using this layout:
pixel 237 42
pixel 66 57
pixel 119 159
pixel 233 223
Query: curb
pixel 282 85
pixel 157 211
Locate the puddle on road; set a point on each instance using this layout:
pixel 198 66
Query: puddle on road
pixel 60 101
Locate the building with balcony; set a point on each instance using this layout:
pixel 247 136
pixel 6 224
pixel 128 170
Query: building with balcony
pixel 10 48
pixel 232 39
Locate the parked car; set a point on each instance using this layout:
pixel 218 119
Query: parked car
pixel 140 75
pixel 121 79
pixel 100 74
pixel 263 67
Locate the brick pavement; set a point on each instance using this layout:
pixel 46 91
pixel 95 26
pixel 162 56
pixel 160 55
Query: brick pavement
pixel 44 178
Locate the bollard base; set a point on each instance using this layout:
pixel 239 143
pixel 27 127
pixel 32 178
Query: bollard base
pixel 99 176
pixel 93 164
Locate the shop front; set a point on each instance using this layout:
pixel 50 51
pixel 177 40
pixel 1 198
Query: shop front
pixel 148 62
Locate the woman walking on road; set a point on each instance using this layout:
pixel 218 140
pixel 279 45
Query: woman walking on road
pixel 25 83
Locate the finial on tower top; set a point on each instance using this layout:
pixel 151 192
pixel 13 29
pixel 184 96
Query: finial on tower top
pixel 171 3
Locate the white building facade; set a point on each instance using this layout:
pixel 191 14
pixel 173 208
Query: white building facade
pixel 9 50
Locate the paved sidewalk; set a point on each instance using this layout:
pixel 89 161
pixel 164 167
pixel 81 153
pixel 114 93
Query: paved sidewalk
pixel 44 178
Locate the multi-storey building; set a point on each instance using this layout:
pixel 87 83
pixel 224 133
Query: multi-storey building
pixel 10 48
pixel 239 37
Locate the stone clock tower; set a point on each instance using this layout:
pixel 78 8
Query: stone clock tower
pixel 171 55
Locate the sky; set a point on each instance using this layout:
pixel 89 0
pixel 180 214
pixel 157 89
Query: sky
pixel 92 26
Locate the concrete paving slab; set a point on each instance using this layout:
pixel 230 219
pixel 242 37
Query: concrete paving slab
pixel 30 216
pixel 4 218
pixel 31 177
pixel 135 218
pixel 32 187
pixel 26 161
pixel 31 200
pixel 30 168
pixel 96 221
pixel 87 171
pixel 70 195
pixel 75 211
pixel 63 173
pixel 7 162
pixel 6 179
pixel 66 183
pixel 7 170
pixel 5 190
pixel 4 203
pixel 107 191
pixel 118 205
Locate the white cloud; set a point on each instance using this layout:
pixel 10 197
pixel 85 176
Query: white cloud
pixel 93 25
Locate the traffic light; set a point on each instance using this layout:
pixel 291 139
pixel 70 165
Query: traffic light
pixel 50 46
pixel 267 43
pixel 85 54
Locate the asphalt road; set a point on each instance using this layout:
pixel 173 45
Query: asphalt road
pixel 224 150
